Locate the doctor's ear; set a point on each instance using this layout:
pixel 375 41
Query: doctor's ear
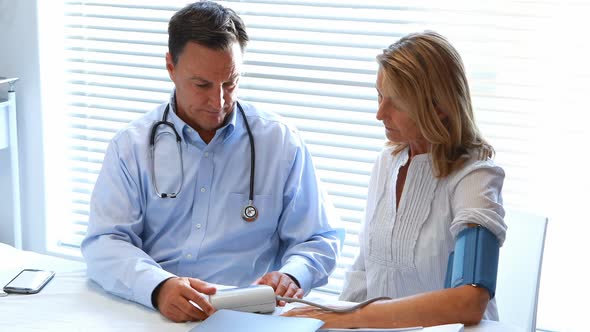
pixel 170 65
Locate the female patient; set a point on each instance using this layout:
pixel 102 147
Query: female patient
pixel 434 179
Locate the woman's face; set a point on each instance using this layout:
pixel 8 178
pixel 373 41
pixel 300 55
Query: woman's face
pixel 399 127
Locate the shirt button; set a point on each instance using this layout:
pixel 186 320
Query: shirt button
pixel 206 154
pixel 189 256
pixel 203 189
pixel 198 226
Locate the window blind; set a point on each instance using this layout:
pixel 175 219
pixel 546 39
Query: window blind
pixel 313 62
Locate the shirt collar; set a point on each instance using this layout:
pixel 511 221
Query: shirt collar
pixel 190 135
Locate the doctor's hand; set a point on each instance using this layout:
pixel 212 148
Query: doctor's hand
pixel 174 295
pixel 283 285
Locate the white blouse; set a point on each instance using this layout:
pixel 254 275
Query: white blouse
pixel 404 252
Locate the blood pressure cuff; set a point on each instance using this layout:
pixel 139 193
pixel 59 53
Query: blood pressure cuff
pixel 474 260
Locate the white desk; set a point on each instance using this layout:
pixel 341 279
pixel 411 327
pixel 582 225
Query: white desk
pixel 70 302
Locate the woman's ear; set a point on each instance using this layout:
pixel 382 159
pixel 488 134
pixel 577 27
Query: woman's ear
pixel 441 115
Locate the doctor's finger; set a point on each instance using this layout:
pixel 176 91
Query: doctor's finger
pixel 178 315
pixel 199 299
pixel 299 294
pixel 291 290
pixel 283 286
pixel 202 287
pixel 271 279
pixel 173 313
pixel 198 294
pixel 190 311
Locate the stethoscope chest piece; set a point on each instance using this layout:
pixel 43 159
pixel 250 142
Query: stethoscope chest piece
pixel 249 213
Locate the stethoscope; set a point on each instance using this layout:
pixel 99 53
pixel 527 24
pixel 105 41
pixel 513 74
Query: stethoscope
pixel 249 212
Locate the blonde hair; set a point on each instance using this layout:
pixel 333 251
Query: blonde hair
pixel 426 72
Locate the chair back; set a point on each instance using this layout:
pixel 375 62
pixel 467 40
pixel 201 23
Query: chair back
pixel 519 269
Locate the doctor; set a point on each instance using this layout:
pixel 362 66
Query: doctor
pixel 206 188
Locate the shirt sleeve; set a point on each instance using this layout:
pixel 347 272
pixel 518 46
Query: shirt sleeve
pixel 477 199
pixel 309 245
pixel 113 245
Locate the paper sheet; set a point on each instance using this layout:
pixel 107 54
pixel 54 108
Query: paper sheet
pixel 439 328
pixel 236 321
pixel 417 328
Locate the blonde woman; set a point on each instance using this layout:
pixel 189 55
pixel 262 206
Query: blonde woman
pixel 434 179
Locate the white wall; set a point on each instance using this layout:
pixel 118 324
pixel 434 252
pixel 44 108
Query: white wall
pixel 6 227
pixel 19 57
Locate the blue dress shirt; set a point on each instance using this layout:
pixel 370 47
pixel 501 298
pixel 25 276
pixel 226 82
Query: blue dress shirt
pixel 136 240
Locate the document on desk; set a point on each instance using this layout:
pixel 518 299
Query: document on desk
pixel 236 321
pixel 438 328
pixel 417 328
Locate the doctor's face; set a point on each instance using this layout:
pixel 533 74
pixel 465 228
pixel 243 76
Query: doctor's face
pixel 206 83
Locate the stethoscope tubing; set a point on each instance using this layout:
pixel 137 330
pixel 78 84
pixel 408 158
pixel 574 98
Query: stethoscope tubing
pixel 252 155
pixel 249 212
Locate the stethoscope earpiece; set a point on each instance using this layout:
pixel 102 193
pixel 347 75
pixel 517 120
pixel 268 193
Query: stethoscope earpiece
pixel 249 213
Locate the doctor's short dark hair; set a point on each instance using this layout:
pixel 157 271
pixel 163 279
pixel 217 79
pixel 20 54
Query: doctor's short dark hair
pixel 208 24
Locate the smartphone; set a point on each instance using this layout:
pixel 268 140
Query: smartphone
pixel 29 281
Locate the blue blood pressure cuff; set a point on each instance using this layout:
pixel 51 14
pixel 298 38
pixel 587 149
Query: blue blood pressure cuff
pixel 474 260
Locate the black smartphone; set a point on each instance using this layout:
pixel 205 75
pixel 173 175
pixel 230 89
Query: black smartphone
pixel 29 281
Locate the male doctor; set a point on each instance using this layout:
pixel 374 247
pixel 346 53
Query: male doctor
pixel 167 218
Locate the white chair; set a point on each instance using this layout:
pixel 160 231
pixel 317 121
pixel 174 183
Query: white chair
pixel 519 269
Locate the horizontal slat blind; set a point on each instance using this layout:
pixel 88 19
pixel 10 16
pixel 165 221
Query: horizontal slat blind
pixel 315 64
pixel 312 62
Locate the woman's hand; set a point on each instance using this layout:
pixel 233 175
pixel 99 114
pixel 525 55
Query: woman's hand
pixel 330 319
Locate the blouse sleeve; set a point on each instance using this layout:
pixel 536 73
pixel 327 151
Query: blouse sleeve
pixel 476 198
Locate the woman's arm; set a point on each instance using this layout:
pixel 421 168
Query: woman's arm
pixel 464 304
